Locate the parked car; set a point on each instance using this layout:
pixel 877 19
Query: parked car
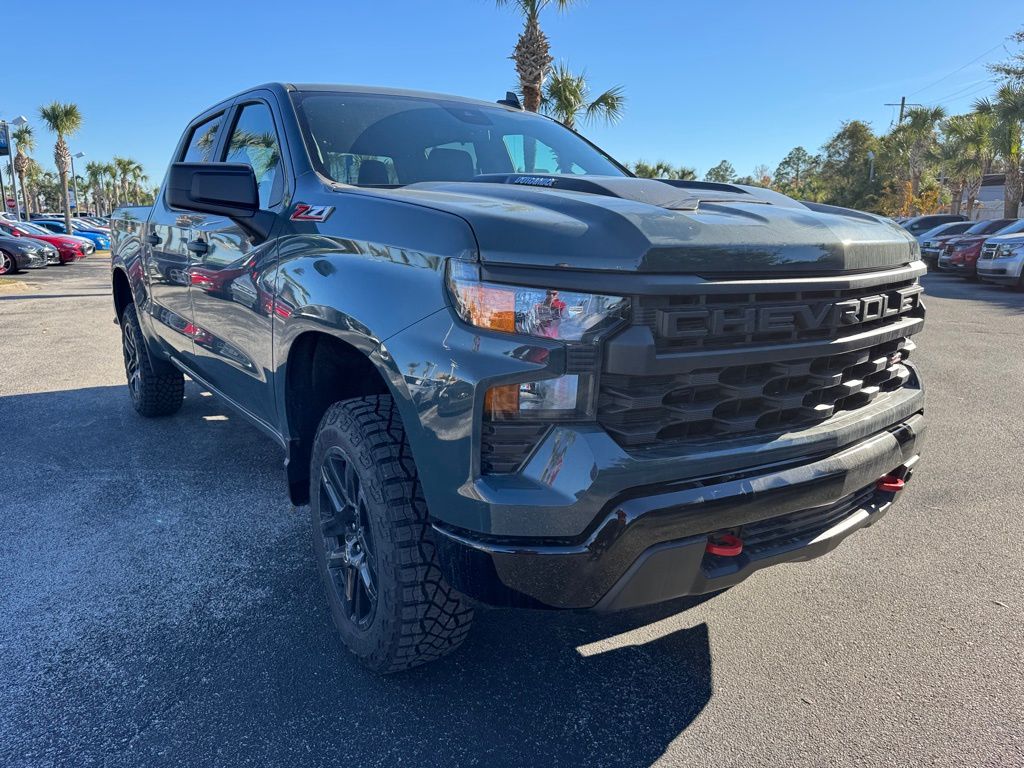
pixel 512 385
pixel 960 254
pixel 100 239
pixel 1002 258
pixel 933 240
pixel 93 221
pixel 67 249
pixel 949 228
pixel 918 225
pixel 17 253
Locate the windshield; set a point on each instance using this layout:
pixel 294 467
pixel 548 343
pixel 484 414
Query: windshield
pixel 984 227
pixel 1013 229
pixel 380 140
pixel 32 229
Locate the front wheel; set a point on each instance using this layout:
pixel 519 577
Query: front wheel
pixel 154 392
pixel 371 536
pixel 8 266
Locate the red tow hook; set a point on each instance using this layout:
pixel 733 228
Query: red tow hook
pixel 890 484
pixel 725 545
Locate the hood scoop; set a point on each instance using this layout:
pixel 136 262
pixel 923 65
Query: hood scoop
pixel 649 191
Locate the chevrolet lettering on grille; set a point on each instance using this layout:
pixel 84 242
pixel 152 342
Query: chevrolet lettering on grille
pixel 704 322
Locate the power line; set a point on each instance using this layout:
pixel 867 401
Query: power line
pixel 984 83
pixel 959 69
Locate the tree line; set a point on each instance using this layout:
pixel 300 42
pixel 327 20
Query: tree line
pixel 101 186
pixel 929 161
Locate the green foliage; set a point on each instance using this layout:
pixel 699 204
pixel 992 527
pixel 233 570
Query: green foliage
pixel 663 170
pixel 62 119
pixel 844 176
pixel 797 173
pixel 722 173
pixel 1012 70
pixel 566 98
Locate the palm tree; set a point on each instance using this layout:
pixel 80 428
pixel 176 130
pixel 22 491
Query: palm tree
pixel 63 120
pixel 663 170
pixel 94 174
pixel 123 168
pixel 110 171
pixel 966 154
pixel 138 176
pixel 920 141
pixel 1008 111
pixel 22 162
pixel 567 99
pixel 532 54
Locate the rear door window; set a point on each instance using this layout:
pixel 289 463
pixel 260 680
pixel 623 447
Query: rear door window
pixel 203 141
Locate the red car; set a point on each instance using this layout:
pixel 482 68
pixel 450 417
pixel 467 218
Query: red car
pixel 960 254
pixel 69 249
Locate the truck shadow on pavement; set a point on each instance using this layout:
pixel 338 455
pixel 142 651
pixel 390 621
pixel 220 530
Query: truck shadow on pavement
pixel 163 608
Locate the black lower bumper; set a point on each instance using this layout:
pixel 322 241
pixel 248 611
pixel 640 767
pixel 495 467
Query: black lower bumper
pixel 650 546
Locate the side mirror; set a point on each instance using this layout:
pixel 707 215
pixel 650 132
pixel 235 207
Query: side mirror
pixel 220 189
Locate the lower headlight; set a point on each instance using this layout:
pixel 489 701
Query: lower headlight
pixel 544 312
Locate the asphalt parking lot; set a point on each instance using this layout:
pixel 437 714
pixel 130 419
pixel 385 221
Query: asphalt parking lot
pixel 159 604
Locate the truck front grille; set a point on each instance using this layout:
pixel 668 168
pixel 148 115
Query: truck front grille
pixel 638 410
pixel 682 323
pixel 765 359
pixel 988 251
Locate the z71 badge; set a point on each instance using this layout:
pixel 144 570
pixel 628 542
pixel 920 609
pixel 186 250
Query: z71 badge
pixel 305 212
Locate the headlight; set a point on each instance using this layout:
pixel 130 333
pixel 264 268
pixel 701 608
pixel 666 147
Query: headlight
pixel 547 313
pixel 1009 251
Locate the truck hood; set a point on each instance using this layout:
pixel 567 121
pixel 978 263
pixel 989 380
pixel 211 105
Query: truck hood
pixel 647 225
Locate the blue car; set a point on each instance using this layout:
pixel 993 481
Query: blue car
pixel 99 238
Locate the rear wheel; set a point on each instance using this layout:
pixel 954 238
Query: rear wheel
pixel 371 536
pixel 8 266
pixel 154 392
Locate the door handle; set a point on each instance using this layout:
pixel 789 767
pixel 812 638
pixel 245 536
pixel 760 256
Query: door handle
pixel 154 239
pixel 198 247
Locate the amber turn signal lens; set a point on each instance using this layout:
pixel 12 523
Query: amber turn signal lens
pixel 502 402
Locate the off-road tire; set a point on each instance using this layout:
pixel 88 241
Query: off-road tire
pixel 156 391
pixel 417 616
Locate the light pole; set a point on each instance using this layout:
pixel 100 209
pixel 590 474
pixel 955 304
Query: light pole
pixel 74 180
pixel 5 130
pixel 17 122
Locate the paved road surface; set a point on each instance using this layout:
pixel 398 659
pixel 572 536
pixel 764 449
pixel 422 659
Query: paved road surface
pixel 159 605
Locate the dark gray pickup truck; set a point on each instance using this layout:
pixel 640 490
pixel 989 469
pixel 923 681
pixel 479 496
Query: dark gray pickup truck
pixel 504 371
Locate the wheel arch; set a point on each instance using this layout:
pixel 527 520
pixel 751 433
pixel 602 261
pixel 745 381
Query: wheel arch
pixel 122 291
pixel 320 369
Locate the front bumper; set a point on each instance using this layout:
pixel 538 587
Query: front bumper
pixel 649 545
pixel 35 260
pixel 1005 271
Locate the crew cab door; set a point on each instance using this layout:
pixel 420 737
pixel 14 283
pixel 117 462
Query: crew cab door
pixel 165 248
pixel 232 280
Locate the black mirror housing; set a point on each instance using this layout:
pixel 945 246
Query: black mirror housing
pixel 221 189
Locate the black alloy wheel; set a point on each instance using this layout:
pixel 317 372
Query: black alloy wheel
pixel 348 539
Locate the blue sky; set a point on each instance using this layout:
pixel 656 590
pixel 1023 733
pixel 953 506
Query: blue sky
pixel 742 80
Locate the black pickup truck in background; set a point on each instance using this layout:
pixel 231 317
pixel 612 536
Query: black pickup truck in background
pixel 504 371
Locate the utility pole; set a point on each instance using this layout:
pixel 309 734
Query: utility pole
pixel 903 107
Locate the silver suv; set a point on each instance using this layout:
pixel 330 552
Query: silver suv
pixel 1002 260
